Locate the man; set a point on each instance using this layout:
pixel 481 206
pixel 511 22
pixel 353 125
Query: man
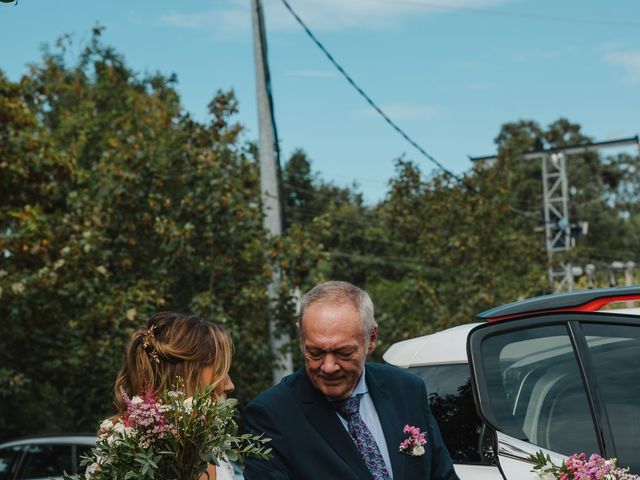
pixel 337 419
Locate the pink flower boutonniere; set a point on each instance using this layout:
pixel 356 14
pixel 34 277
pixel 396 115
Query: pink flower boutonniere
pixel 413 444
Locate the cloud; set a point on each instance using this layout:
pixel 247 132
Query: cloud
pixel 234 15
pixel 218 20
pixel 397 111
pixel 629 60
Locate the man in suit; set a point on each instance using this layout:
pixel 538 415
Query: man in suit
pixel 339 418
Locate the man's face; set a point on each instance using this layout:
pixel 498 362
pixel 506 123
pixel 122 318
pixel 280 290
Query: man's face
pixel 335 347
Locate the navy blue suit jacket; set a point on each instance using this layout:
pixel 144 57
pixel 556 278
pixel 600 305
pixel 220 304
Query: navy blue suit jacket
pixel 309 442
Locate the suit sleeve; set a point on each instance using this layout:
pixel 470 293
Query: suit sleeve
pixel 441 463
pixel 261 421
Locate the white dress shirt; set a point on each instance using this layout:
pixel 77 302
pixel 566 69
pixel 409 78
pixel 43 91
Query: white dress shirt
pixel 370 418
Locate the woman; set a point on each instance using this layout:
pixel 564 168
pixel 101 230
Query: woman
pixel 173 346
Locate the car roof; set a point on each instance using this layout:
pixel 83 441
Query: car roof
pixel 75 438
pixel 582 300
pixel 446 346
pixel 450 345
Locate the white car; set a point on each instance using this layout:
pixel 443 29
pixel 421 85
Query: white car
pixel 43 457
pixel 555 374
pixel 50 456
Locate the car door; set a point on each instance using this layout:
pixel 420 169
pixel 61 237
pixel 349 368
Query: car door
pixel 561 383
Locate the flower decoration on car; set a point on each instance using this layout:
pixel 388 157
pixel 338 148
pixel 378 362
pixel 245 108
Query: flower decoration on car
pixel 578 467
pixel 414 442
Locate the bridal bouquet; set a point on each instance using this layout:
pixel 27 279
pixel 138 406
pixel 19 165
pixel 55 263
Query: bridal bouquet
pixel 173 437
pixel 578 467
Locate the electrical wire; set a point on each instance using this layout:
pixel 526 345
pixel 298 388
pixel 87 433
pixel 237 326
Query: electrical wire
pixel 367 98
pixel 386 118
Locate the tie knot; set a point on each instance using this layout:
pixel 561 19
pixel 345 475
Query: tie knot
pixel 349 406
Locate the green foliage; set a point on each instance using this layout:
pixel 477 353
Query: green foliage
pixel 171 437
pixel 113 205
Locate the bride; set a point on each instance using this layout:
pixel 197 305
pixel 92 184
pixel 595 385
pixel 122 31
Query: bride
pixel 173 346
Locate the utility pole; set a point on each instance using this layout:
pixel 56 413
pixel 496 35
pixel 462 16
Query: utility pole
pixel 555 188
pixel 269 181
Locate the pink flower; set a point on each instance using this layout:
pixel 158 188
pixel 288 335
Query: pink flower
pixel 414 441
pixel 145 416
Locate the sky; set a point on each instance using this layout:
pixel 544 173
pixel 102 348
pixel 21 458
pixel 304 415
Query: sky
pixel 448 72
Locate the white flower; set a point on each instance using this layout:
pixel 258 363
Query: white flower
pixel 119 429
pixel 58 264
pixel 136 400
pixel 18 288
pixel 546 476
pixel 418 450
pixel 174 394
pixel 188 404
pixel 131 314
pixel 91 469
pixel 102 270
pixel 105 428
pixel 106 424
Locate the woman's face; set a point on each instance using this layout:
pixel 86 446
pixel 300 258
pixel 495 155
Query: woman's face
pixel 223 388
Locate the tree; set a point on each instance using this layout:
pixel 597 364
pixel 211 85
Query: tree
pixel 115 204
pixel 604 191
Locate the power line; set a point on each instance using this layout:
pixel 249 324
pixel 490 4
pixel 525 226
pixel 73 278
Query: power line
pixel 365 96
pixel 391 123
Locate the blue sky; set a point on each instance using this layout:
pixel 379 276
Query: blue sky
pixel 450 73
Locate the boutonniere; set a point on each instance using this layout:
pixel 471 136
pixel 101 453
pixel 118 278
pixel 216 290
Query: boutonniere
pixel 414 441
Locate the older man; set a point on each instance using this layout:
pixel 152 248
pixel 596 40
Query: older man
pixel 339 418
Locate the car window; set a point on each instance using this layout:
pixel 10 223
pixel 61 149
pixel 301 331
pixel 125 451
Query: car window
pixel 451 400
pixel 82 451
pixel 535 391
pixel 615 354
pixel 9 458
pixel 44 461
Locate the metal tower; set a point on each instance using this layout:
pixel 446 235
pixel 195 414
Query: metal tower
pixel 555 189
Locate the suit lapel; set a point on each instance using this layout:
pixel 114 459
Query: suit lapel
pixel 324 419
pixel 389 420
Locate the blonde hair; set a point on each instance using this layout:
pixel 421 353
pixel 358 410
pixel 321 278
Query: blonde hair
pixel 169 347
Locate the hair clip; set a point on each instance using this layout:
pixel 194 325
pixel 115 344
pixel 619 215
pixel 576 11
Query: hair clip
pixel 154 355
pixel 146 335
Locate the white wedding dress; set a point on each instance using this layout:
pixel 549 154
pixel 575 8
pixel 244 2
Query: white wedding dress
pixel 224 471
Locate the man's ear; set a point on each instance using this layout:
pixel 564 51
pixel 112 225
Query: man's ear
pixel 373 340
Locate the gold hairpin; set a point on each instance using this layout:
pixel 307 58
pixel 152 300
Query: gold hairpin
pixel 154 355
pixel 146 335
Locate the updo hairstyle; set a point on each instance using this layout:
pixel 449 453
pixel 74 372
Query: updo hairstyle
pixel 172 346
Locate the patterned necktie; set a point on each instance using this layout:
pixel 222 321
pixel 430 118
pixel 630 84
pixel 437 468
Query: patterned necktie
pixel 366 444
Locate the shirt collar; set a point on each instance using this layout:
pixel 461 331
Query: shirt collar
pixel 361 386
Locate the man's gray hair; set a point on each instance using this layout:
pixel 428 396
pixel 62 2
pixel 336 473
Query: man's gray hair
pixel 337 292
